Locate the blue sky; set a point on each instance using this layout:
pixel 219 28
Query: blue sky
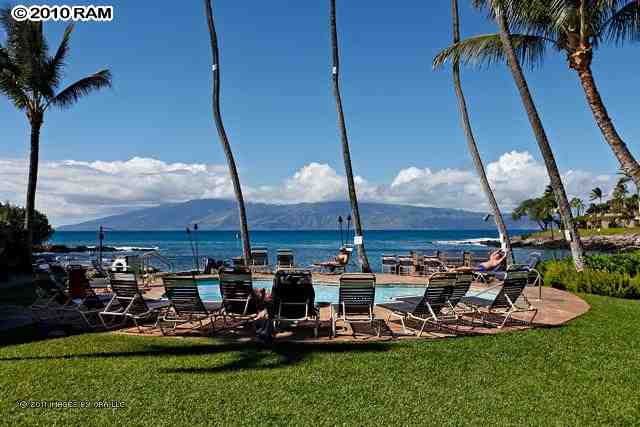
pixel 276 92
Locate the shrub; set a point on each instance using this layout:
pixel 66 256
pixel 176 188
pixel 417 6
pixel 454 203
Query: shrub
pixel 12 218
pixel 620 263
pixel 601 277
pixel 14 256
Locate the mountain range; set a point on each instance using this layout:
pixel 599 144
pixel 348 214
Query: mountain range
pixel 218 214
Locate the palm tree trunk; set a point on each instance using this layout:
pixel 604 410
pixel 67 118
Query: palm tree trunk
pixel 471 142
pixel 609 132
pixel 233 171
pixel 355 212
pixel 36 124
pixel 541 137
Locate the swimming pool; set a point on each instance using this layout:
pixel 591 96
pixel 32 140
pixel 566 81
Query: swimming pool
pixel 210 291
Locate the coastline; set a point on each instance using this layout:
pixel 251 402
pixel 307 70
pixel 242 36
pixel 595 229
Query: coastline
pixel 606 243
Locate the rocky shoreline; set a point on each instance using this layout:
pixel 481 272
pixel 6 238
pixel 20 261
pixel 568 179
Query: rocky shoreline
pixel 64 249
pixel 611 243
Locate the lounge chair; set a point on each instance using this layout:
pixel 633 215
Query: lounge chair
pixel 431 265
pixel 405 265
pixel 285 259
pixel 50 297
pixel 186 304
pixel 431 308
pixel 478 257
pixel 127 301
pixel 236 288
pixel 535 278
pixel 83 304
pixel 505 301
pixel 356 299
pixel 459 291
pixel 259 259
pixel 337 265
pixel 293 299
pixel 237 261
pixel 389 264
pixel 451 260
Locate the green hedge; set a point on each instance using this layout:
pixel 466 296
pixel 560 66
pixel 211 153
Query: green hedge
pixel 628 263
pixel 608 275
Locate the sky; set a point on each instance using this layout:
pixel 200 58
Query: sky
pixel 151 138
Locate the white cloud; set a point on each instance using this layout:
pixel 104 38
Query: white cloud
pixel 315 182
pixel 72 191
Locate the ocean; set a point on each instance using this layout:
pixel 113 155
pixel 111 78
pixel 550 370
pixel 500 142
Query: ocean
pixel 308 246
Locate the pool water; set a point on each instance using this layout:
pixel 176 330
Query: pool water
pixel 210 291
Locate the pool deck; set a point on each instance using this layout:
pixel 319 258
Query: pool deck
pixel 556 308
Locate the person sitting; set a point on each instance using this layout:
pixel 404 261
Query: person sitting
pixel 338 263
pixel 495 261
pixel 286 286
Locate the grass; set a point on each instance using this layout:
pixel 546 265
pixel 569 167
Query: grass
pixel 588 232
pixel 583 373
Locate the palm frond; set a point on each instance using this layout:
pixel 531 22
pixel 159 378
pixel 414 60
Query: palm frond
pixel 485 50
pixel 624 24
pixel 34 55
pixel 28 50
pixel 54 65
pixel 9 83
pixel 5 60
pixel 71 94
pixel 527 16
pixel 13 90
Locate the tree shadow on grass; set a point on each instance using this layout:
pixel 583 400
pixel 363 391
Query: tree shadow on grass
pixel 252 356
pixel 256 357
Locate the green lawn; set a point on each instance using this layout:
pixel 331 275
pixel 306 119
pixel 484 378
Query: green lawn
pixel 583 373
pixel 590 232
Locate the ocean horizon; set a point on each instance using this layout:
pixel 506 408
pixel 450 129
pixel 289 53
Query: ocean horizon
pixel 309 246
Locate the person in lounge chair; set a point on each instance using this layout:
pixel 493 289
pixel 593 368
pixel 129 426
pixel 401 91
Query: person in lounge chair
pixel 287 287
pixel 338 263
pixel 493 264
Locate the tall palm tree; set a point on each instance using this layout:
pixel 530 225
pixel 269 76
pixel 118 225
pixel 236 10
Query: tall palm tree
pixel 596 194
pixel 507 48
pixel 578 205
pixel 217 116
pixel 625 178
pixel 619 194
pixel 357 225
pixel 30 78
pixel 576 28
pixel 471 140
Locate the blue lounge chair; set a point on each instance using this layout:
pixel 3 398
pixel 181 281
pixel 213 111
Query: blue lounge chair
pixel 505 301
pixel 430 308
pixel 356 300
pixel 186 305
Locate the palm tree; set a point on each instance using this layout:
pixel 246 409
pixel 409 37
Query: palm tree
pixel 471 140
pixel 507 47
pixel 625 178
pixel 575 28
pixel 357 225
pixel 619 194
pixel 578 205
pixel 217 116
pixel 596 194
pixel 30 78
